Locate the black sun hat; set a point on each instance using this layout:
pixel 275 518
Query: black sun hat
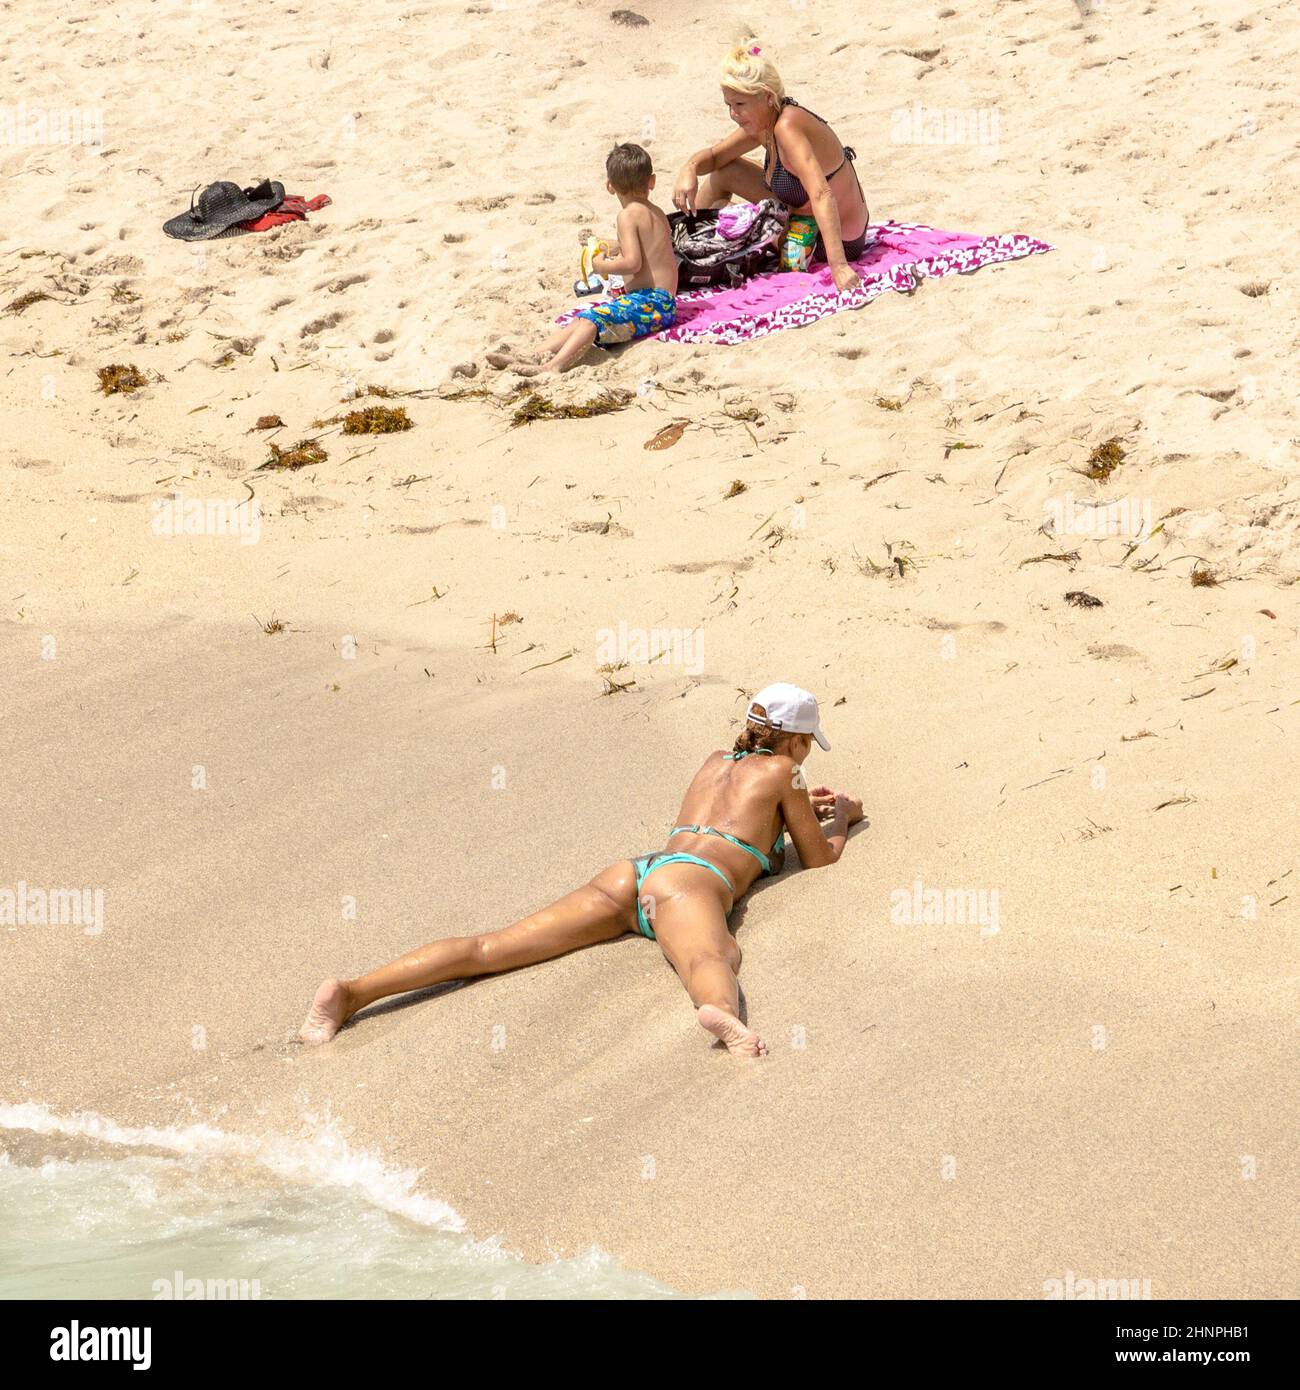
pixel 220 206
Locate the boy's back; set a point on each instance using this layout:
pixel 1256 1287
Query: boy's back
pixel 643 224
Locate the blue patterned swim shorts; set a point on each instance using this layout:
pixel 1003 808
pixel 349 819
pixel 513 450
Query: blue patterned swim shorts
pixel 632 315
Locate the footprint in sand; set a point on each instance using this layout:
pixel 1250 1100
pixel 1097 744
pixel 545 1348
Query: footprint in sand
pixel 494 204
pixel 937 625
pixel 344 282
pixel 326 503
pixel 562 117
pixel 703 566
pixel 309 330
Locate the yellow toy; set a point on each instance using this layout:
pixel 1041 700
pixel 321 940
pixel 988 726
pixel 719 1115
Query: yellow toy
pixel 588 282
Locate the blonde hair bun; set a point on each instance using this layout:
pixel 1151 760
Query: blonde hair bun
pixel 749 69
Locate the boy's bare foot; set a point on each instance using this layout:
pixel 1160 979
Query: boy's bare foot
pixel 506 354
pixel 727 1028
pixel 328 1013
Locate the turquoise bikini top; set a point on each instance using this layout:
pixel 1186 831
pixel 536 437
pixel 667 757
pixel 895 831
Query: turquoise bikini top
pixel 777 848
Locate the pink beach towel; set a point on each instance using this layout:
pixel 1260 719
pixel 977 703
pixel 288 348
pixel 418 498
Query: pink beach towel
pixel 902 254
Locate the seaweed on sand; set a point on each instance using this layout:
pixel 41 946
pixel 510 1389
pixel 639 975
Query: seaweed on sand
pixel 613 686
pixel 1104 460
pixel 377 419
pixel 1066 557
pixel 538 407
pixel 469 393
pixel 304 453
pixel 608 527
pixel 118 377
pixel 25 301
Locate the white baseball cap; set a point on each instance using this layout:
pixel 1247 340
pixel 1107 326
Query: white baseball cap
pixel 788 709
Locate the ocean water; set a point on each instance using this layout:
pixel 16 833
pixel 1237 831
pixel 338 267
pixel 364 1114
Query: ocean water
pixel 93 1209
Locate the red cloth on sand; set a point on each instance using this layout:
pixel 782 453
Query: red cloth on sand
pixel 294 208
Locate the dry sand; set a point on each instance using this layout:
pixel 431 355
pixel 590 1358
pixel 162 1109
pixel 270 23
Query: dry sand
pixel 1106 1084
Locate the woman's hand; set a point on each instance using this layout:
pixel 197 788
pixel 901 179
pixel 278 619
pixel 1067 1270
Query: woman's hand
pixel 845 277
pixel 828 804
pixel 686 191
pixel 823 802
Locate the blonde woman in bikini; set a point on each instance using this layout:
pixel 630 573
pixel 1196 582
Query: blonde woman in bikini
pixel 729 832
pixel 805 166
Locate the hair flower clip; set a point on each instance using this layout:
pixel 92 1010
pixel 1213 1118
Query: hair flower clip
pixel 755 50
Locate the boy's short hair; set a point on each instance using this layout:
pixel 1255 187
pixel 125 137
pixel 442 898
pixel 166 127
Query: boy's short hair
pixel 628 168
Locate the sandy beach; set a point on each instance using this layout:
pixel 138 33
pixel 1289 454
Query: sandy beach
pixel 1095 1073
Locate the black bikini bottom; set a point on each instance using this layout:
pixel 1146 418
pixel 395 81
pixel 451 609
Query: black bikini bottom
pixel 852 249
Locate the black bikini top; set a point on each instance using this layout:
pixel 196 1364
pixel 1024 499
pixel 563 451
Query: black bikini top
pixel 781 181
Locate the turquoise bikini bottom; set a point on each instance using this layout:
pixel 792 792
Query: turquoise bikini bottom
pixel 646 864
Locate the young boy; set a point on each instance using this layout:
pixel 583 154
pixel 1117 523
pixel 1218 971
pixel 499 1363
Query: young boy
pixel 643 257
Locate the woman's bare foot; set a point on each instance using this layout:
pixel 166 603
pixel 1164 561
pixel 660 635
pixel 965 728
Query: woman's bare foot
pixel 727 1028
pixel 529 369
pixel 329 1011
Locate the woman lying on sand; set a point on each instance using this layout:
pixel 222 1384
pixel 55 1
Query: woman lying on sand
pixel 736 802
pixel 805 166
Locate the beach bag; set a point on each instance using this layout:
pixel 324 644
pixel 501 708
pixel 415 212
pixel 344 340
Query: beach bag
pixel 706 257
